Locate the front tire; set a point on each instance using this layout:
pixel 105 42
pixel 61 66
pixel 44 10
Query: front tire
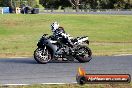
pixel 42 55
pixel 84 54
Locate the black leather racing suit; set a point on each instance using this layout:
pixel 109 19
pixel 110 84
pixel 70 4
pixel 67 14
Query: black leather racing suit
pixel 63 36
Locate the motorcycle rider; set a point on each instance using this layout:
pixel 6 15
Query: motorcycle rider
pixel 59 32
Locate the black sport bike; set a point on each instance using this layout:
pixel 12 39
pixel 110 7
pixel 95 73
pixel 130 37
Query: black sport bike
pixel 49 48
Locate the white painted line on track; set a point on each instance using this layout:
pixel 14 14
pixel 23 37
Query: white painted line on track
pixel 14 84
pixel 59 83
pixel 37 83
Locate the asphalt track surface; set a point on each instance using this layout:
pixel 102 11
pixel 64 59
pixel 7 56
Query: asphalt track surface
pixel 102 12
pixel 28 71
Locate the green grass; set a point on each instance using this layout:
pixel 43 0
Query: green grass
pixel 108 34
pixel 73 86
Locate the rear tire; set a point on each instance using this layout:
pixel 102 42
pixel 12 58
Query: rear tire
pixel 86 56
pixel 42 55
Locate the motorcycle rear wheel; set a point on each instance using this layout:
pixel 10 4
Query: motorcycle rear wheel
pixel 86 56
pixel 42 55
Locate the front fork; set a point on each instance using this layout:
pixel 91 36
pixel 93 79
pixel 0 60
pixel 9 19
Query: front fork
pixel 44 52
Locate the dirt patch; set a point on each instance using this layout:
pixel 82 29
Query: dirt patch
pixel 110 43
pixel 9 55
pixel 11 23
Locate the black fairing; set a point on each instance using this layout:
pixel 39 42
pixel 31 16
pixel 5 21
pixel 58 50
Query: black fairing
pixel 42 42
pixel 46 42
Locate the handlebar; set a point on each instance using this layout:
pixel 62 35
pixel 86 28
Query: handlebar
pixel 45 35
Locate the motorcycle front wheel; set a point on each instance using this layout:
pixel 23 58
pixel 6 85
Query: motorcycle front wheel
pixel 84 54
pixel 42 55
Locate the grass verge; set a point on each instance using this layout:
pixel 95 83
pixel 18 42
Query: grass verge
pixel 108 34
pixel 73 86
